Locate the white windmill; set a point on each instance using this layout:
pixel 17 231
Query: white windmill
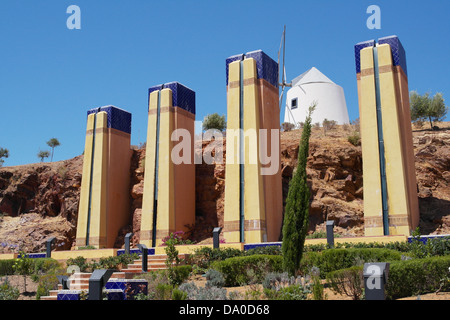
pixel 311 86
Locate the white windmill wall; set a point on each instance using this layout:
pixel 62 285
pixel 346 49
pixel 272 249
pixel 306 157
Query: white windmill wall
pixel 330 99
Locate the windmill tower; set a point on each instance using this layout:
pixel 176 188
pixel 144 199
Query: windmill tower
pixel 311 86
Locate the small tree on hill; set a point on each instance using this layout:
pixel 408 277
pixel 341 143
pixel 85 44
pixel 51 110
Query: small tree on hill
pixel 214 121
pixel 52 143
pixel 4 153
pixel 424 107
pixel 296 216
pixel 43 154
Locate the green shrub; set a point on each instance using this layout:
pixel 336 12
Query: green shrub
pixel 272 250
pixel 6 267
pixel 214 278
pixel 80 262
pixel 239 270
pixel 292 292
pixel 178 274
pixel 335 259
pixel 349 281
pixel 192 292
pixel 8 292
pixel 417 276
pixel 204 256
pixel 354 139
pixel 46 283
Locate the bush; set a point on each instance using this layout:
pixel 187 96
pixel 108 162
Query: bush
pixel 202 293
pixel 6 267
pixel 287 126
pixel 214 121
pixel 214 278
pixel 177 275
pixel 80 262
pixel 292 292
pixel 349 281
pixel 8 292
pixel 354 139
pixel 46 283
pixel 417 276
pixel 334 259
pixel 239 270
pixel 204 256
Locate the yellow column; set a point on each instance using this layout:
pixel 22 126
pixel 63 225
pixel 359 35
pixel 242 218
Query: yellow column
pixel 85 183
pixel 149 175
pixel 254 208
pixel 97 236
pixel 395 161
pixel 373 210
pixel 231 212
pixel 165 222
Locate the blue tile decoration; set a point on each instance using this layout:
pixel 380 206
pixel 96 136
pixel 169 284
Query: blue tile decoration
pixel 424 239
pixel 249 246
pixel 115 294
pixel 267 68
pixel 69 295
pixel 117 118
pixel 182 96
pixel 358 48
pixel 33 255
pixel 398 52
pixel 129 287
pixel 151 251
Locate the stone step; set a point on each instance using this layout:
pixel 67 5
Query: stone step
pixel 53 293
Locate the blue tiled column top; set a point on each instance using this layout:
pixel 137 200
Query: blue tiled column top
pixel 358 48
pixel 117 118
pixel 398 52
pixel 182 96
pixel 267 68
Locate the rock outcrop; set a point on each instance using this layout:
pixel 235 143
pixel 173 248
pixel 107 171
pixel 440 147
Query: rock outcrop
pixel 41 200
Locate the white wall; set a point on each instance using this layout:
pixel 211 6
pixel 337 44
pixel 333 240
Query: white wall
pixel 330 99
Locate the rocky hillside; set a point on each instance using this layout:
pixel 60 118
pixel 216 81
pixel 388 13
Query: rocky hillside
pixel 41 200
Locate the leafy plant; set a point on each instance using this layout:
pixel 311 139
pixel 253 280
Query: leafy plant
pixel 23 266
pixel 354 139
pixel 296 217
pixel 8 292
pixel 425 107
pixel 4 153
pixel 214 278
pixel 43 154
pixel 214 121
pixel 53 143
pixel 348 282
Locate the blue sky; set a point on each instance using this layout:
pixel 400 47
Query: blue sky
pixel 50 75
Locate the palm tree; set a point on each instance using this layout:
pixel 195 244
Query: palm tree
pixel 52 143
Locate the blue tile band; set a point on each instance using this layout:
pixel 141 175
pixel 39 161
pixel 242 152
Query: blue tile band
pixel 266 67
pixel 117 118
pixel 182 96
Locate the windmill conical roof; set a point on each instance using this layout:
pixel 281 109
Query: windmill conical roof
pixel 313 75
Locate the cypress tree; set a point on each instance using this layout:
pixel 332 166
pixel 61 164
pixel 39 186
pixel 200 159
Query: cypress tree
pixel 296 215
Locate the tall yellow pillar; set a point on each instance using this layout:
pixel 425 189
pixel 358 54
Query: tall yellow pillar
pixel 382 82
pixel 169 184
pixel 252 198
pixel 104 200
